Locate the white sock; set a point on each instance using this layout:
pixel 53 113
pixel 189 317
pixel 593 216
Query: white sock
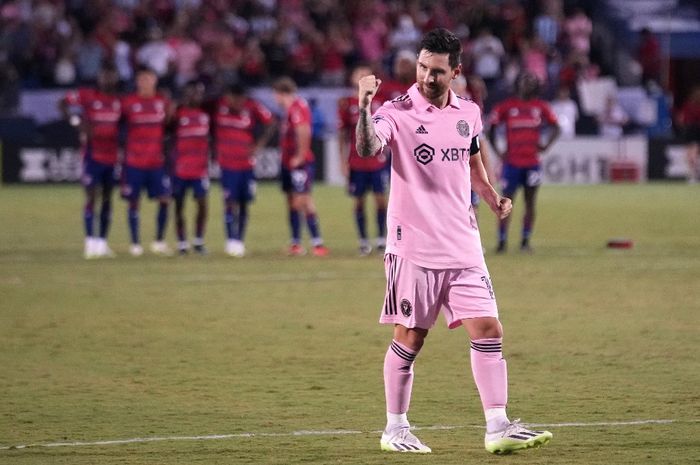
pixel 496 419
pixel 396 420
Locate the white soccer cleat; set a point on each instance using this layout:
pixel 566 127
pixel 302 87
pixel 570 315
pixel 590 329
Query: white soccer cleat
pixel 161 248
pixel 135 250
pixel 235 248
pixel 183 247
pixel 402 440
pixel 102 250
pixel 380 243
pixel 90 249
pixel 515 437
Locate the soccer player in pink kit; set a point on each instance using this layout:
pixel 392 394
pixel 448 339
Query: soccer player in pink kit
pixel 434 261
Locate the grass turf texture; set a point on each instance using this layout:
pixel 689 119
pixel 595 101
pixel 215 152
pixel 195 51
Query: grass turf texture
pixel 160 347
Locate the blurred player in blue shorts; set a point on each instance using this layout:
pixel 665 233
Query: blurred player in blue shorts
pixel 363 173
pixel 237 120
pixel 298 166
pixel 97 112
pixel 146 113
pixel 191 170
pixel 524 117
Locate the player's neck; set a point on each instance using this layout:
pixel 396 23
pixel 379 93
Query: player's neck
pixel 441 101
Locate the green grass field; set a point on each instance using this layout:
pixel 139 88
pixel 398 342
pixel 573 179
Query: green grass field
pixel 175 348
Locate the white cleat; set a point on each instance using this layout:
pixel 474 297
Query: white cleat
pixel 402 440
pixel 235 248
pixel 161 248
pixel 135 250
pixel 102 250
pixel 90 248
pixel 515 437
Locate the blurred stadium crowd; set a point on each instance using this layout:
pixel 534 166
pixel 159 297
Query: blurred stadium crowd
pixel 55 43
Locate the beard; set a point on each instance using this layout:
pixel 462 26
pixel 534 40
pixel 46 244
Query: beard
pixel 432 91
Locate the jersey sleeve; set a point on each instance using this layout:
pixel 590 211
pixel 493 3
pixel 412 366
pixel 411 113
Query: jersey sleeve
pixel 384 124
pixel 298 117
pixel 548 114
pixel 343 122
pixel 496 115
pixel 262 114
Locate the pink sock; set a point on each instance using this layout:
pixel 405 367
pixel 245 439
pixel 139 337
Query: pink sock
pixel 398 377
pixel 490 372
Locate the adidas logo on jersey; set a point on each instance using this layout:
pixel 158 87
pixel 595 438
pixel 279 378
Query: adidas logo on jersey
pixel 421 130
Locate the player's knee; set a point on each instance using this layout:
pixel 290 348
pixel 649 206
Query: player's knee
pixel 413 338
pixel 484 328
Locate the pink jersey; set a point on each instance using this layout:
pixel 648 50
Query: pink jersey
pixel 430 220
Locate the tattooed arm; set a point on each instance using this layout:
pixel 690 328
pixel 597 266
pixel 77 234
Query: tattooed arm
pixel 367 143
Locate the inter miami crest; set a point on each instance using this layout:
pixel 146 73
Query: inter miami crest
pixel 406 307
pixel 424 154
pixel 463 128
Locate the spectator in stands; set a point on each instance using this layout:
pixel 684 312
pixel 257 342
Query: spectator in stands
pixel 9 86
pixel 370 33
pixel 567 112
pixel 487 56
pixel 649 56
pixel 613 118
pixel 186 52
pixel 405 36
pixel 578 29
pixel 157 55
pixel 337 51
pixel 90 58
pixel 689 121
pixel 547 24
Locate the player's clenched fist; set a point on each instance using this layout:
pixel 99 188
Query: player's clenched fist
pixel 368 87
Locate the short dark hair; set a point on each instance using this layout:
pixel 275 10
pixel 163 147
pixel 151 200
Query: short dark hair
pixel 237 89
pixel 442 41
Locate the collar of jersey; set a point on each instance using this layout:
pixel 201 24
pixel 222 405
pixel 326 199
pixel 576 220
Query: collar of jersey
pixel 422 105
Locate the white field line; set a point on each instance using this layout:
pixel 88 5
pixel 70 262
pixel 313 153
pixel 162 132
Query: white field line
pixel 112 442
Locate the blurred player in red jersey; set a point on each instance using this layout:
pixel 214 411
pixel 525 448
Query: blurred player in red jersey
pixel 524 118
pixel 236 119
pixel 146 113
pixel 191 164
pixel 98 114
pixel 689 120
pixel 297 166
pixel 403 76
pixel 362 173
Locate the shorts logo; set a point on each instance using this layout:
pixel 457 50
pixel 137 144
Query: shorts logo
pixel 406 308
pixel 487 281
pixel 424 154
pixel 463 128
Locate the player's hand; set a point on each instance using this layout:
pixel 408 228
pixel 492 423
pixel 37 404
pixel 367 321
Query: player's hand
pixel 504 207
pixel 296 162
pixel 367 89
pixel 345 169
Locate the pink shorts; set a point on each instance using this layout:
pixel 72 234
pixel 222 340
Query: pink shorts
pixel 416 295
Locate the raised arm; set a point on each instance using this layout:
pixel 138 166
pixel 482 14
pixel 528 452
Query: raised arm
pixel 367 143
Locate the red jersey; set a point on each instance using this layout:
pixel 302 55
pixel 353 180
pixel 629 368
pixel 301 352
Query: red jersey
pixel 234 134
pixel 145 118
pixel 524 120
pixel 348 115
pixel 298 114
pixel 101 113
pixel 390 89
pixel 191 143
